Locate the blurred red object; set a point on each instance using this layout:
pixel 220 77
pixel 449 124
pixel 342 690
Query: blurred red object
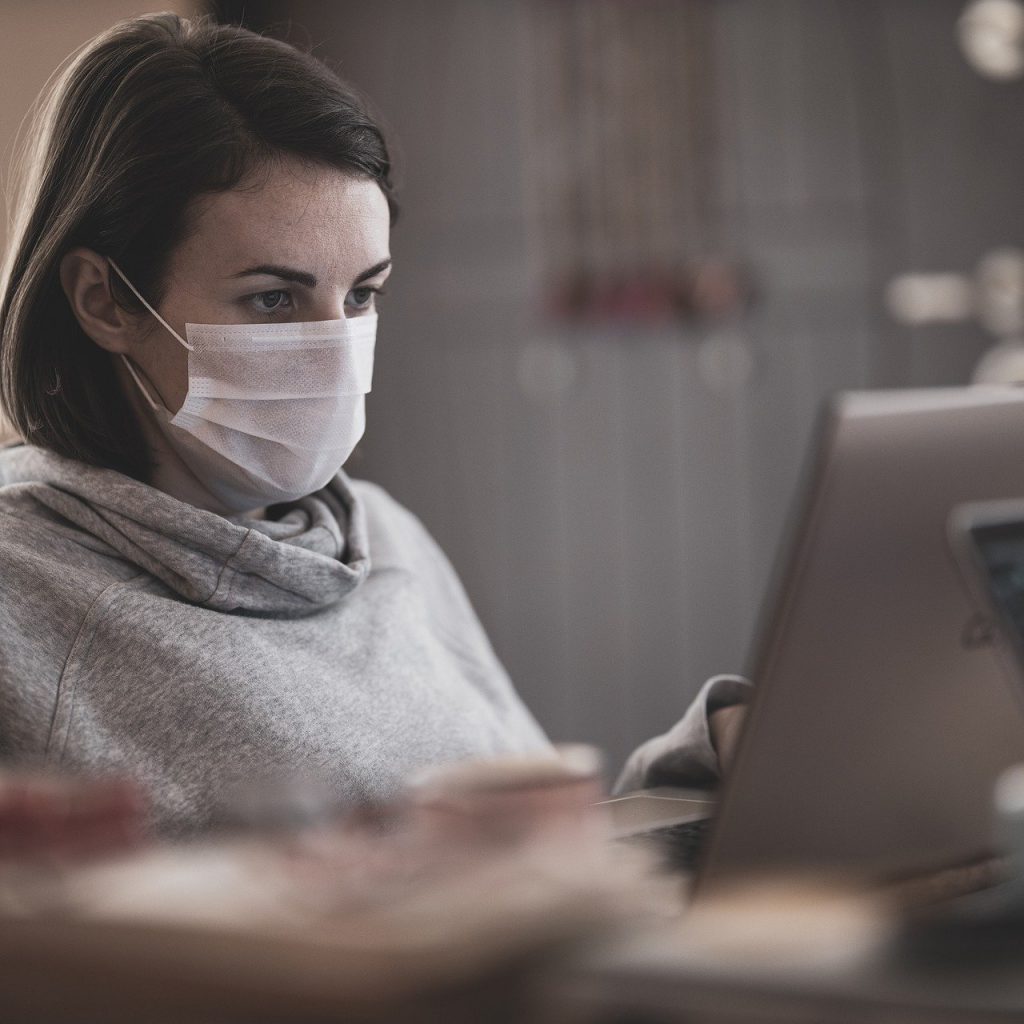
pixel 704 291
pixel 54 818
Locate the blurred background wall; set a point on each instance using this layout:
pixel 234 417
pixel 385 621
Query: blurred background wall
pixel 640 241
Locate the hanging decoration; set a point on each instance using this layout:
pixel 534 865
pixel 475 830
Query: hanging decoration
pixel 623 162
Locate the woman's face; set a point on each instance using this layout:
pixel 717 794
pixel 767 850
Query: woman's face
pixel 302 243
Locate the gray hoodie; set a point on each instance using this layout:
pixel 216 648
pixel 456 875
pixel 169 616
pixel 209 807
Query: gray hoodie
pixel 142 635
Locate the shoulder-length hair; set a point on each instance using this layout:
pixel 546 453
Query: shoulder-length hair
pixel 151 114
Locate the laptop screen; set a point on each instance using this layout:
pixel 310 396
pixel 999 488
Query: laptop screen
pixel 1000 551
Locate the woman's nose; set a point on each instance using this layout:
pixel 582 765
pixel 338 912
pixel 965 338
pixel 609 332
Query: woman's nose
pixel 332 308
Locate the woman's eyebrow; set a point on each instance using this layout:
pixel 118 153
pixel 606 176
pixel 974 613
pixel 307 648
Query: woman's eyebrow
pixel 304 278
pixel 285 273
pixel 374 270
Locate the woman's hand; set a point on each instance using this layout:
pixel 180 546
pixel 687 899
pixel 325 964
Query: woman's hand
pixel 53 818
pixel 725 725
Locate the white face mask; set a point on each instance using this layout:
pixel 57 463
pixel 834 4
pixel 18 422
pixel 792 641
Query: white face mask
pixel 272 410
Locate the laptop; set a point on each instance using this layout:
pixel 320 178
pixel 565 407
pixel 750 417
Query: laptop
pixel 881 715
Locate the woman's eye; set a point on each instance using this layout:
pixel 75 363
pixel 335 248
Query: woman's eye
pixel 272 301
pixel 362 298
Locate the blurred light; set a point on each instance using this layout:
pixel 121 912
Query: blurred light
pixel 1009 792
pixel 1001 364
pixel 1000 292
pixel 991 34
pixel 929 298
pixel 546 370
pixel 725 362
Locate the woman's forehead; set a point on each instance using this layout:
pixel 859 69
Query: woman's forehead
pixel 293 214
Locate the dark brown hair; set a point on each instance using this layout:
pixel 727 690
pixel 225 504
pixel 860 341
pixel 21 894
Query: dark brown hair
pixel 151 114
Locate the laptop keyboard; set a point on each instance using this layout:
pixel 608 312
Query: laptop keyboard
pixel 680 844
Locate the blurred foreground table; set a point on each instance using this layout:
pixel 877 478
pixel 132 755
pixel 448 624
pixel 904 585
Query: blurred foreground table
pixel 338 927
pixel 541 934
pixel 844 964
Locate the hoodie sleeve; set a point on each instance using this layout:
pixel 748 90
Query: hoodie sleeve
pixel 684 756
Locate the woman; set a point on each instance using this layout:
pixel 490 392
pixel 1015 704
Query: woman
pixel 192 592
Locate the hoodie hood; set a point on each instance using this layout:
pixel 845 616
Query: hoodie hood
pixel 310 557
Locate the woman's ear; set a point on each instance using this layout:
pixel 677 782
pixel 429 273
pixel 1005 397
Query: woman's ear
pixel 85 278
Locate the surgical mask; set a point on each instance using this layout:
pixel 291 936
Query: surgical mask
pixel 272 410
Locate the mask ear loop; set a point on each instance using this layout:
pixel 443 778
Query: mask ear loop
pixel 127 362
pixel 142 387
pixel 120 274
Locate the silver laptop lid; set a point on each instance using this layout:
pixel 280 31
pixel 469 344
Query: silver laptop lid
pixel 878 723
